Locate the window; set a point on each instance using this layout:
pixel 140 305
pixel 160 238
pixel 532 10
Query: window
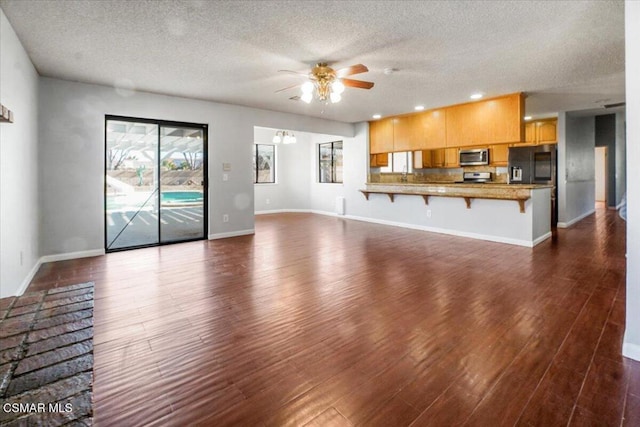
pixel 401 162
pixel 330 162
pixel 264 164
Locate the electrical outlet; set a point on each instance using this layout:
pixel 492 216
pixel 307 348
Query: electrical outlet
pixel 428 213
pixel 225 218
pixel 268 201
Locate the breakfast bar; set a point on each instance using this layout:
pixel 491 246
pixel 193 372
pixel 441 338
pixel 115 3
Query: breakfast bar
pixel 479 210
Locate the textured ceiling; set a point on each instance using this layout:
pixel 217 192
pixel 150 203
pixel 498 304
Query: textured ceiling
pixel 567 55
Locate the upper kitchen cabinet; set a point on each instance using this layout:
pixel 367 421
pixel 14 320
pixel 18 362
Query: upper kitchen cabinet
pixel 543 131
pixel 434 129
pixel 505 117
pixel 492 121
pixel 466 125
pixel 547 131
pixel 381 136
pixel 408 133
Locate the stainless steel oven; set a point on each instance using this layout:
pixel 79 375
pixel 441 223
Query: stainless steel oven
pixel 479 156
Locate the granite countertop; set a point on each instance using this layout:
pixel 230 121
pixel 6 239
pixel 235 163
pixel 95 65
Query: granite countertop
pixel 418 185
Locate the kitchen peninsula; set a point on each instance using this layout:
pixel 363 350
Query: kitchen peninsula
pixel 456 158
pixel 514 214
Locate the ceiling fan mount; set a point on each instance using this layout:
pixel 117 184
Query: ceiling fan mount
pixel 327 82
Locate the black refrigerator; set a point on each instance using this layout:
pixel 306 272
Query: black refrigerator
pixel 536 165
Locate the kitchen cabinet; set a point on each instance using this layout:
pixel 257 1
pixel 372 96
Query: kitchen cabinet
pixel 381 136
pixel 379 160
pixel 504 119
pixel 466 125
pixel 434 129
pixel 547 131
pixel 451 158
pixel 492 121
pixel 543 131
pixel 444 158
pixel 408 133
pixel 499 154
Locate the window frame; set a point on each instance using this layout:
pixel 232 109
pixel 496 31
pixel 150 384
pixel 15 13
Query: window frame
pixel 332 162
pixel 257 171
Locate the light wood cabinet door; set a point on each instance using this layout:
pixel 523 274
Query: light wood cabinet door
pixel 547 131
pixel 408 133
pixel 466 125
pixel 451 158
pixel 530 133
pixel 437 158
pixel 504 119
pixel 378 160
pixel 422 159
pixel 381 136
pixel 499 154
pixel 434 128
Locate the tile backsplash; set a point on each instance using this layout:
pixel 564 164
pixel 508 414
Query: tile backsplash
pixel 499 175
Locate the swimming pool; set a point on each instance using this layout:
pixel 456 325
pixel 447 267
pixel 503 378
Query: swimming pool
pixel 181 197
pixel 135 201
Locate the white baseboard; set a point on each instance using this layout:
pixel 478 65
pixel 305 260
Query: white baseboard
pixel 27 280
pixel 216 236
pixel 541 239
pixel 314 211
pixel 275 211
pixel 632 351
pixel 573 221
pixel 457 233
pixel 326 213
pixel 72 255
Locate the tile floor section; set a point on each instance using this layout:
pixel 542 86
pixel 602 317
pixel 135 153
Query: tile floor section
pixel 46 357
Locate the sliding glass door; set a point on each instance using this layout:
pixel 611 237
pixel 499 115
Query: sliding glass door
pixel 155 182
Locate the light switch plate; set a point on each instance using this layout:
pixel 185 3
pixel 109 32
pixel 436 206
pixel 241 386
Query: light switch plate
pixel 226 166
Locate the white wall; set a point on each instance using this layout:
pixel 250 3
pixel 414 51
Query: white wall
pixel 576 169
pixel 631 347
pixel 291 190
pixel 19 251
pixel 72 151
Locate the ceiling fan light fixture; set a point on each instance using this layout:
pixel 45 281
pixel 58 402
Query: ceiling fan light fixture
pixel 307 97
pixel 337 87
pixel 335 97
pixel 307 87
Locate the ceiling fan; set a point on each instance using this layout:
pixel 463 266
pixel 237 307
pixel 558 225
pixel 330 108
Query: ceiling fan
pixel 327 82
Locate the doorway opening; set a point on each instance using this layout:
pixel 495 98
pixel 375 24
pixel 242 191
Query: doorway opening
pixel 601 176
pixel 155 182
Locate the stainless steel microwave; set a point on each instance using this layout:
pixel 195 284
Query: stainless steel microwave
pixel 474 157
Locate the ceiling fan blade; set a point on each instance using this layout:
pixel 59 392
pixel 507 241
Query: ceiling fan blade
pixel 349 71
pixel 357 83
pixel 287 88
pixel 294 72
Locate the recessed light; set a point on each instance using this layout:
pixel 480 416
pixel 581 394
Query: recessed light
pixel 527 117
pixel 419 107
pixel 476 96
pixel 377 116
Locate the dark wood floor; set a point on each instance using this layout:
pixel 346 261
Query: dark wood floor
pixel 323 321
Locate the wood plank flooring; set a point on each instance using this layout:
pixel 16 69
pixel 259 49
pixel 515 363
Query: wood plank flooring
pixel 323 321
